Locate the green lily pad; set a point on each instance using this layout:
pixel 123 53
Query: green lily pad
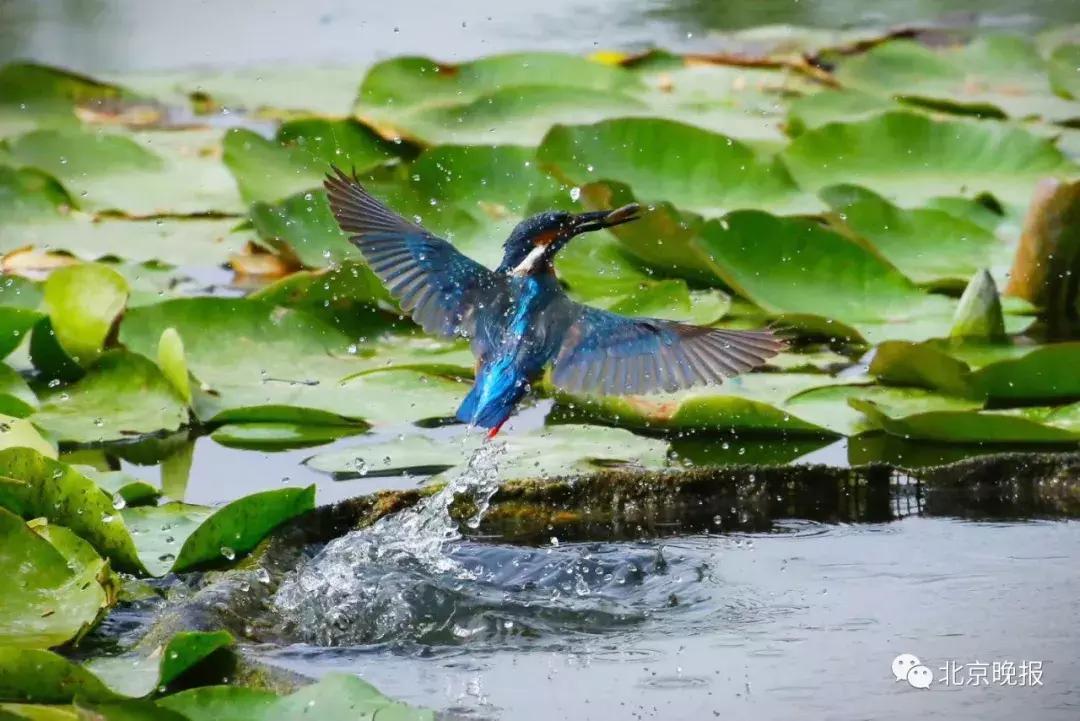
pixel 929 246
pixel 280 436
pixel 45 677
pixel 177 536
pixel 998 372
pixel 198 242
pixel 835 406
pixel 816 109
pixel 349 296
pixel 173 365
pixel 29 195
pixel 601 274
pixel 991 75
pixel 123 486
pixel 122 395
pixel 667 160
pixel 499 99
pixel 143 539
pixel 1015 425
pixel 552 451
pixel 21 433
pixel 33 96
pixel 52 596
pixel 1064 78
pixel 910 158
pixel 300 155
pixel 83 301
pixel 261 363
pixel 337 697
pixel 750 403
pixel 794 268
pixel 142 174
pixel 15 323
pixel 303 225
pixel 16 397
pixel 139 673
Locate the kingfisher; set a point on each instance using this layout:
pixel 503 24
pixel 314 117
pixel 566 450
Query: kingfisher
pixel 520 322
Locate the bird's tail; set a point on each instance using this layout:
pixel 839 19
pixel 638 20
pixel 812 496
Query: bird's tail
pixel 491 400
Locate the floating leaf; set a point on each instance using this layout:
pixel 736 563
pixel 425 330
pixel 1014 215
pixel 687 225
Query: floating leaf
pixel 929 246
pixel 141 174
pixel 553 451
pixel 990 76
pixel 998 372
pixel 817 109
pixel 83 301
pixel 54 593
pixel 909 158
pixel 753 402
pixel 33 96
pixel 1016 425
pixel 337 697
pixel 797 268
pixel 16 398
pixel 171 537
pixel 667 160
pixel 122 395
pixel 126 489
pixel 21 433
pixel 46 677
pixel 261 363
pixel 140 672
pixel 300 155
pixel 280 436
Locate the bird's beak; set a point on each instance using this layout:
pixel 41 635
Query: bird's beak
pixel 580 223
pixel 585 222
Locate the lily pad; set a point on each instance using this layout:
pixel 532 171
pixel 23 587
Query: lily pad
pixel 140 672
pixel 929 246
pixel 171 537
pixel 794 268
pixel 261 363
pixel 45 677
pixel 1015 425
pixel 337 697
pixel 199 242
pixel 700 171
pixel 910 158
pixel 817 109
pixel 303 225
pixel 990 76
pixel 125 488
pixel 122 395
pixel 33 96
pixel 178 536
pixel 52 596
pixel 83 301
pixel 500 99
pixel 750 403
pixel 300 155
pixel 21 433
pixel 1001 372
pixel 280 436
pixel 16 397
pixel 142 174
pixel 553 451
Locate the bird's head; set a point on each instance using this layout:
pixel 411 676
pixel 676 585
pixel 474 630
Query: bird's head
pixel 535 241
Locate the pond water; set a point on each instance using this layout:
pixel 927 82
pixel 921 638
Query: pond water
pixel 744 626
pixel 126 36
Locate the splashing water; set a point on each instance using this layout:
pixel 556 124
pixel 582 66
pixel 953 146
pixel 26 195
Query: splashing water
pixel 340 584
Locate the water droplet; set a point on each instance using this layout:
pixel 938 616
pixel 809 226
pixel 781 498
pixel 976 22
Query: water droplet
pixel 228 553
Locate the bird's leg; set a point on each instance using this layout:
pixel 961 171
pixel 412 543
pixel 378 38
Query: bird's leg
pixel 495 431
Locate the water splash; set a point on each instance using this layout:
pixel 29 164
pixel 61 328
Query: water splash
pixel 339 583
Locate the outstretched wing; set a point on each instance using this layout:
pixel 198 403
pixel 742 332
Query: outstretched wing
pixel 438 286
pixel 611 354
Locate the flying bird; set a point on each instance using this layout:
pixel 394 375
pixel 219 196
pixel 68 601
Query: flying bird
pixel 520 321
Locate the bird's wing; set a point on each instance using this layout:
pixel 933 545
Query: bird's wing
pixel 610 354
pixel 436 284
